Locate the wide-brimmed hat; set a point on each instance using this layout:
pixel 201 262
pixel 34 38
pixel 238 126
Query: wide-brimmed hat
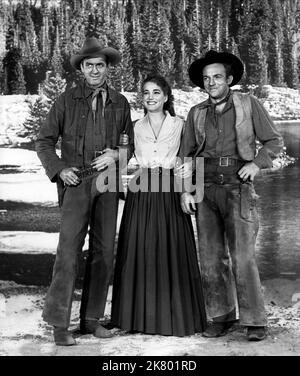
pixel 212 57
pixel 92 48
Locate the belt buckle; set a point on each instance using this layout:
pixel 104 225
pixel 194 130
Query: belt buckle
pixel 221 163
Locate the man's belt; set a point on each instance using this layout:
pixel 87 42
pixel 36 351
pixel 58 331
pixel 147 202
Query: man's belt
pixel 158 171
pixel 223 161
pixel 222 179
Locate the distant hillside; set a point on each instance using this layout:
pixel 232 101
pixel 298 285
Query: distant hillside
pixel 282 104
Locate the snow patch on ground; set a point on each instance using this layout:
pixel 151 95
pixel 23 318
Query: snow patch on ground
pixel 23 332
pixel 28 187
pixel 29 242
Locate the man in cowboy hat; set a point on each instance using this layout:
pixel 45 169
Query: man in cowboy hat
pixel 223 130
pixel 89 118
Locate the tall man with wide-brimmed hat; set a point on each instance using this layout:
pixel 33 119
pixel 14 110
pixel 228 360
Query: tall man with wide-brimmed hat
pixel 223 130
pixel 89 118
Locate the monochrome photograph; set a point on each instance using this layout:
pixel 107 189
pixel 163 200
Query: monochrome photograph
pixel 149 180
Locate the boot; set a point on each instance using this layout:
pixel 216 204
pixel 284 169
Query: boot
pixel 94 327
pixel 62 337
pixel 256 333
pixel 217 329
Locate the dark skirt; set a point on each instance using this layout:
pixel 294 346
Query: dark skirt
pixel 157 285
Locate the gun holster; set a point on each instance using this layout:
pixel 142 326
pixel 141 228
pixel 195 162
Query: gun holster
pixel 248 200
pixel 61 189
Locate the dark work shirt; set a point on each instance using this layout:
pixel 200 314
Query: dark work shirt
pixel 95 132
pixel 220 136
pixel 220 132
pixel 68 117
pixel 206 145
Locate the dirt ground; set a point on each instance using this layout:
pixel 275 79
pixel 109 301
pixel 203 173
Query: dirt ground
pixel 23 333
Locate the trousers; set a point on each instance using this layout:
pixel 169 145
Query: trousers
pixel 83 208
pixel 227 224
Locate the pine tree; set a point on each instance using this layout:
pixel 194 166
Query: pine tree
pixel 278 78
pixel 275 45
pixel 27 39
pixel 150 39
pixel 10 33
pixel 254 21
pixel 27 42
pixel 215 17
pixel 295 81
pixel 159 35
pixel 258 64
pixel 98 23
pixel 45 38
pixel 194 30
pixel 77 28
pixel 166 52
pixel 135 45
pixel 53 86
pixel 178 31
pixel 121 76
pixel 3 27
pixel 224 24
pixel 262 63
pixel 63 20
pixel 38 111
pixel 291 21
pixel 206 21
pixel 13 70
pixel 66 24
pixel 57 60
pixel 234 19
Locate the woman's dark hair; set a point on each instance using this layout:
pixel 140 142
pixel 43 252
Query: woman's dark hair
pixel 165 87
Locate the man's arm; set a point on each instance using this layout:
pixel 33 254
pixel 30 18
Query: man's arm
pixel 188 148
pixel 47 139
pixel 271 140
pixel 188 145
pixel 266 133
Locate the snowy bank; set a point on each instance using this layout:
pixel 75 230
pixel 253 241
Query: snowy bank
pixel 282 104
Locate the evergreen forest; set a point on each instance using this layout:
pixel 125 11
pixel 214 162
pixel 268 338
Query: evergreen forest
pixel 37 38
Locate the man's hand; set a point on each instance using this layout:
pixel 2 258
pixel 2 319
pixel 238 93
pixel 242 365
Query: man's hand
pixel 107 158
pixel 187 203
pixel 248 171
pixel 185 170
pixel 69 177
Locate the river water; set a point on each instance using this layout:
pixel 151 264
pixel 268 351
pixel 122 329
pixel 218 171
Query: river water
pixel 278 243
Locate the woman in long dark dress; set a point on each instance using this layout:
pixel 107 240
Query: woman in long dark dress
pixel 157 286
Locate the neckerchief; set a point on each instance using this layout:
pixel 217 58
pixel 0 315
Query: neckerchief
pixel 213 106
pixel 101 89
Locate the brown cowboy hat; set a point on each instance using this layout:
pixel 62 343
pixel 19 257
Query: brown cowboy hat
pixel 212 57
pixel 92 48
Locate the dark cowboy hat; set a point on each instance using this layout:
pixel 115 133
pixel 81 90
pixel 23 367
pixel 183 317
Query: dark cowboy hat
pixel 92 48
pixel 212 57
